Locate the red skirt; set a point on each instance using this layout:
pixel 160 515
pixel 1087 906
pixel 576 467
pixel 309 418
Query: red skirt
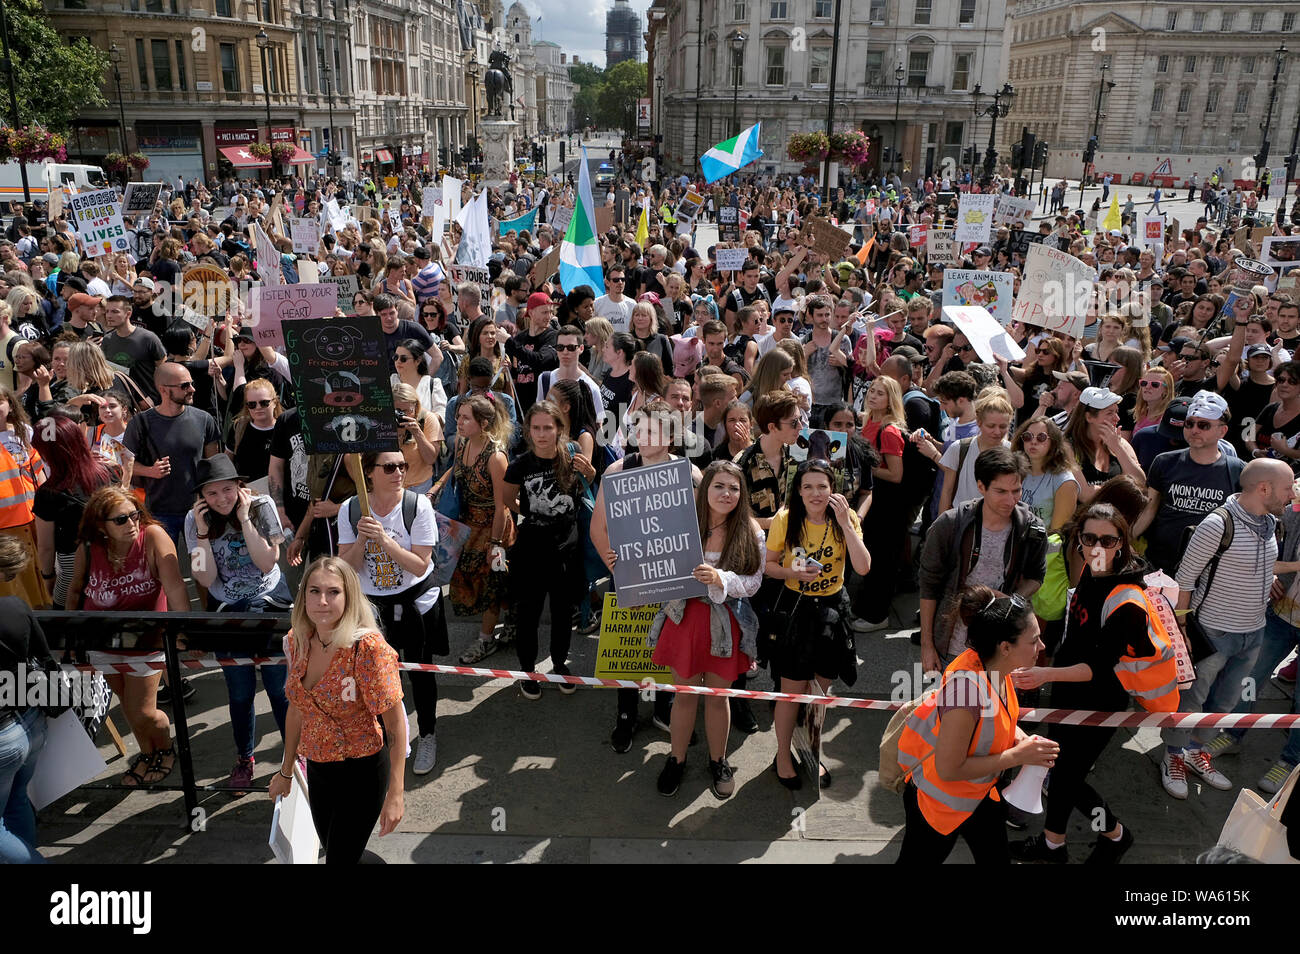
pixel 686 646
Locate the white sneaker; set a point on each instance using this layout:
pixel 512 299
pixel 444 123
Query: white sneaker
pixel 426 754
pixel 482 649
pixel 1199 763
pixel 1274 777
pixel 1173 775
pixel 862 626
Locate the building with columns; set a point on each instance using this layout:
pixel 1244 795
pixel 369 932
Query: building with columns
pixel 554 88
pixel 1192 84
pixel 905 73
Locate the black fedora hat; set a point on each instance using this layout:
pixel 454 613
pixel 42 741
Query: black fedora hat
pixel 219 467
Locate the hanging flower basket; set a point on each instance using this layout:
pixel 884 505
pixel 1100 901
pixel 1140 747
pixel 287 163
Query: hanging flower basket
pixel 116 162
pixel 808 146
pixel 282 151
pixel 32 144
pixel 259 150
pixel 853 148
pixel 138 161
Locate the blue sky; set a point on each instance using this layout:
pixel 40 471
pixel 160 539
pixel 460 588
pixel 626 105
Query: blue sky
pixel 578 26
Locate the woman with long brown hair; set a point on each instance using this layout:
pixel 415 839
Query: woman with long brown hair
pixel 684 635
pixel 1100 452
pixel 1050 490
pixel 1035 375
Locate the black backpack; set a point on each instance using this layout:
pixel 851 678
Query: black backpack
pixel 410 505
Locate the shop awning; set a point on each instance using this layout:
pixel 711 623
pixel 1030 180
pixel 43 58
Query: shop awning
pixel 383 155
pixel 241 158
pixel 300 156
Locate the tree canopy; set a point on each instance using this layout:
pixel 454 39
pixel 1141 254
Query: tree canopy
pixel 56 77
pixel 609 96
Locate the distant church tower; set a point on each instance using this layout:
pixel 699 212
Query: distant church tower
pixel 622 34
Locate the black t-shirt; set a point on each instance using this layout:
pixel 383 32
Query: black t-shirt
pixel 253 453
pixel 406 329
pixel 140 352
pixel 1265 428
pixel 1189 388
pixel 287 444
pixel 1245 402
pixel 535 353
pixel 1100 646
pixel 182 438
pixel 546 508
pixel 63 508
pixel 739 298
pixel 1188 491
pixel 21 637
pixel 616 394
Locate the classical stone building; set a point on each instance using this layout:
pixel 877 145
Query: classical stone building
pixel 554 88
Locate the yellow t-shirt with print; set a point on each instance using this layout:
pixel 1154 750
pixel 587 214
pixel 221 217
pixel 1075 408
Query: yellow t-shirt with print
pixel 819 543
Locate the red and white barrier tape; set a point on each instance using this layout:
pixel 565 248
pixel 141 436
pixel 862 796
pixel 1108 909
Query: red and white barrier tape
pixel 1110 720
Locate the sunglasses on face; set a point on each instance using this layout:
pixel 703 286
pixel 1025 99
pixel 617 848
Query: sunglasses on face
pixel 616 281
pixel 1043 438
pixel 567 347
pixel 403 358
pixel 1201 425
pixel 964 348
pixel 184 385
pixel 124 519
pixel 1192 357
pixel 391 468
pixel 1107 541
pixel 1151 384
pixel 1281 379
pixel 264 403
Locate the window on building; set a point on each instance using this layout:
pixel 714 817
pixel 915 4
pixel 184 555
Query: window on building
pixel 74 4
pixel 1243 101
pixel 1198 22
pixel 875 67
pixel 877 11
pixel 1288 22
pixel 961 64
pixel 1157 99
pixel 778 10
pixel 1257 22
pixel 776 66
pixel 967 12
pixel 1212 100
pixel 1171 21
pixel 1225 20
pixel 1178 136
pixel 918 67
pixel 1153 134
pixel 223 8
pixel 1162 63
pixel 1189 64
pixel 141 65
pixel 822 9
pixel 180 66
pixel 819 65
pixel 738 11
pixel 1248 64
pixel 921 15
pixel 955 134
pixel 268 11
pixel 1184 99
pixel 1220 63
pixel 229 68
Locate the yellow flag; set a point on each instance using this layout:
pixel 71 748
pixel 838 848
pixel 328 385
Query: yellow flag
pixel 643 227
pixel 1112 219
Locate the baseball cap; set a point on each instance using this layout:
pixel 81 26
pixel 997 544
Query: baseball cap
pixel 1099 398
pixel 144 281
pixel 49 258
pixel 1077 378
pixel 983 250
pixel 421 252
pixel 1176 344
pixel 1207 405
pixel 1171 424
pixel 1256 350
pixel 81 300
pixel 908 352
pixel 537 299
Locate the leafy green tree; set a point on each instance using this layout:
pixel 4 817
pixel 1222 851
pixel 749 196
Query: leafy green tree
pixel 57 78
pixel 624 84
pixel 585 74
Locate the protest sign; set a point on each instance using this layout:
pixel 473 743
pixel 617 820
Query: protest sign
pixel 473 273
pixel 941 247
pixel 390 182
pixel 1289 282
pixel 394 216
pixel 731 259
pixel 829 240
pixel 1248 240
pixel 1013 211
pixel 98 216
pixel 991 290
pixel 560 220
pixel 340 379
pixel 334 215
pixel 207 289
pixel 655 533
pixel 689 207
pixel 728 223
pixel 346 287
pixel 548 266
pixel 1153 231
pixel 57 200
pixel 1020 240
pixel 1055 291
pixel 266 258
pixel 984 333
pixel 140 197
pixel 604 219
pixel 1281 251
pixel 975 217
pixel 308 272
pixel 306 236
pixel 430 199
pixel 622 652
pixel 917 235
pixel 273 304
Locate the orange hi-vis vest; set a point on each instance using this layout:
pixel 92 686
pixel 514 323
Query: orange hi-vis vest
pixel 16 493
pixel 1153 679
pixel 946 804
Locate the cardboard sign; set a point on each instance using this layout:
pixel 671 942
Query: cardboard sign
pixel 654 531
pixel 731 259
pixel 983 289
pixel 941 247
pixel 984 333
pixel 728 223
pixel 98 218
pixel 140 197
pixel 346 288
pixel 604 219
pixel 975 217
pixel 559 222
pixel 689 207
pixel 207 290
pixel 1055 291
pixel 308 272
pixel 279 303
pixel 1012 211
pixel 829 240
pixel 917 235
pixel 1252 236
pixel 306 236
pixel 622 652
pixel 340 378
pixel 548 266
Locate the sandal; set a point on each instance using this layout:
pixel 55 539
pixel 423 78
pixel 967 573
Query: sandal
pixel 156 769
pixel 133 772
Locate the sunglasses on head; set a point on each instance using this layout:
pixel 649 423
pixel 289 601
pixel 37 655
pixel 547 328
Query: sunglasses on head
pixel 1107 541
pixel 391 468
pixel 124 519
pixel 265 402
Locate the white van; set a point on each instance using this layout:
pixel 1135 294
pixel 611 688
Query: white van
pixel 42 176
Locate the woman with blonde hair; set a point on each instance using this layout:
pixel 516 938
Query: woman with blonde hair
pixel 91 377
pixel 249 437
pixel 1155 391
pixel 420 437
pixel 644 327
pixel 354 778
pixel 26 308
pixel 800 383
pixel 772 373
pixel 596 334
pixel 885 528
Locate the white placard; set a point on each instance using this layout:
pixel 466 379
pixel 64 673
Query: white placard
pixel 731 259
pixel 293 837
pixel 430 198
pixel 266 258
pixel 984 289
pixel 985 335
pixel 69 759
pixel 98 215
pixel 1055 291
pixel 1012 210
pixel 975 217
pixel 306 236
pixel 337 220
pixel 451 197
pixel 941 247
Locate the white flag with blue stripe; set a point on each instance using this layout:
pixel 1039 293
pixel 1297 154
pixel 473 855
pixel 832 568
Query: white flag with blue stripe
pixel 580 250
pixel 731 154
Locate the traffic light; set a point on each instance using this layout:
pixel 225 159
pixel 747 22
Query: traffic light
pixel 1090 151
pixel 444 158
pixel 968 157
pixel 561 152
pixel 1040 155
pixel 1017 155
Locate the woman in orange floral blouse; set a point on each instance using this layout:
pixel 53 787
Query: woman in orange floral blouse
pixel 343 678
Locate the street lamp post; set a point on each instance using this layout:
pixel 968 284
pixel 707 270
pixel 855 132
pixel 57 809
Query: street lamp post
pixel 830 100
pixel 1090 151
pixel 900 74
pixel 1290 172
pixel 737 65
pixel 13 96
pixel 659 116
pixel 1261 158
pixel 1001 105
pixel 331 157
pixel 263 41
pixel 115 57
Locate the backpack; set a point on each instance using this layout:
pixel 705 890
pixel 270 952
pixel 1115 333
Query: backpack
pixel 410 503
pixel 891 774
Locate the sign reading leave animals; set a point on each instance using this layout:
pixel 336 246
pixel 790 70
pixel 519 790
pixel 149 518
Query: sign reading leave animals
pixel 1055 291
pixel 991 290
pixel 975 217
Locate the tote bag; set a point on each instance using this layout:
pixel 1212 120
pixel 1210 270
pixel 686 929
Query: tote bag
pixel 1254 827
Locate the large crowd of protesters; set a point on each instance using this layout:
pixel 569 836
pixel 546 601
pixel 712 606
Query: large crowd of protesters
pixel 1020 500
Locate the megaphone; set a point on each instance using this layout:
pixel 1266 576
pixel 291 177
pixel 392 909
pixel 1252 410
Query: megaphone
pixel 1026 792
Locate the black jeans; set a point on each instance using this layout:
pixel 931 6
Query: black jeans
pixel 1068 789
pixel 418 641
pixel 883 532
pixel 539 571
pixel 346 799
pixel 985 832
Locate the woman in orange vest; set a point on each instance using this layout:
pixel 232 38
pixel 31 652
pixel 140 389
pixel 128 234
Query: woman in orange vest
pixel 1107 624
pixel 963 735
